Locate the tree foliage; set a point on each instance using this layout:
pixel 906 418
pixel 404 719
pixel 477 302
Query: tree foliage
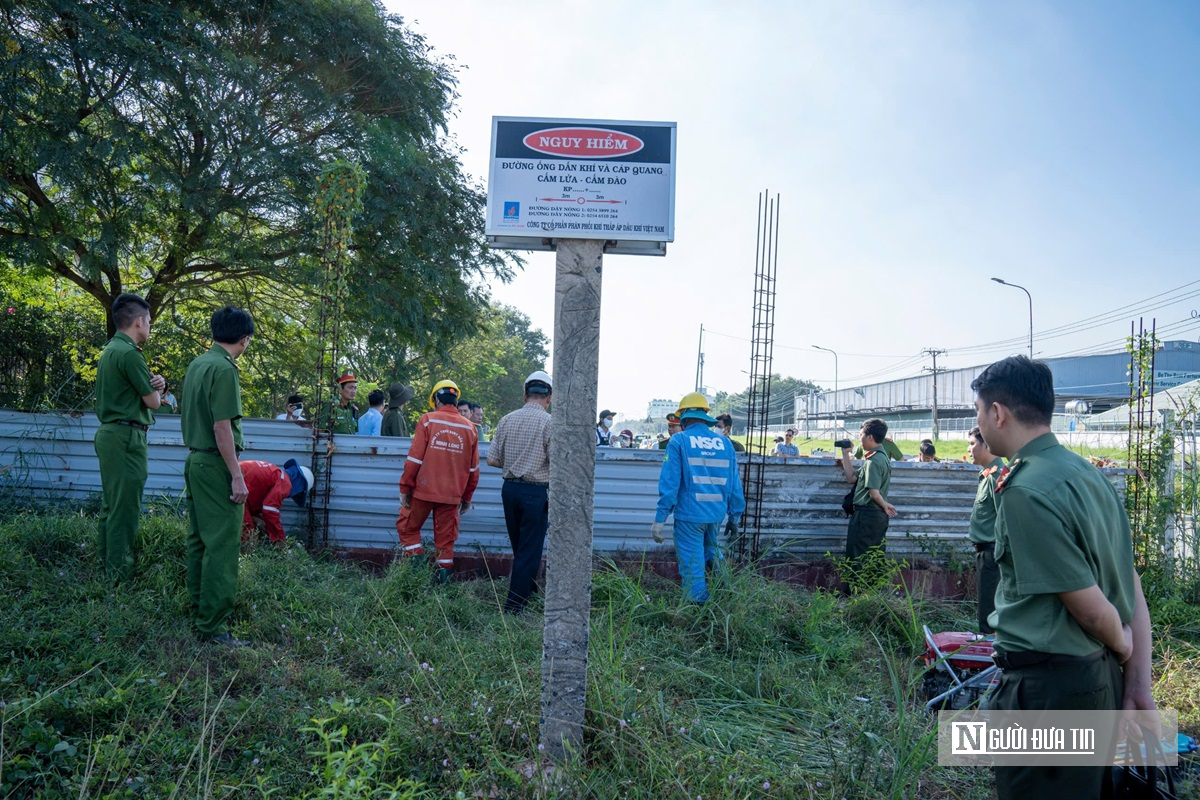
pixel 782 408
pixel 173 149
pixel 48 338
pixel 489 366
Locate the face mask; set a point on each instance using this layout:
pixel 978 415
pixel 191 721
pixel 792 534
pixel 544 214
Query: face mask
pixel 608 423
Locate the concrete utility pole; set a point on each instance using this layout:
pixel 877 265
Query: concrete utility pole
pixel 929 351
pixel 572 454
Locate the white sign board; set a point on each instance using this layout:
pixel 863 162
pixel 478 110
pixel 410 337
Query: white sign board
pixel 581 179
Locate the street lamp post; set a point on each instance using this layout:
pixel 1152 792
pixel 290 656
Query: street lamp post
pixel 835 375
pixel 1027 294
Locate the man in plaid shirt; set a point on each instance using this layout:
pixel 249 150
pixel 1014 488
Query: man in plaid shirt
pixel 521 450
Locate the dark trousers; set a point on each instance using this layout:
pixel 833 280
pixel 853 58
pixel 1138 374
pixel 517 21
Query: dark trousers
pixel 868 528
pixel 1077 686
pixel 526 515
pixel 987 578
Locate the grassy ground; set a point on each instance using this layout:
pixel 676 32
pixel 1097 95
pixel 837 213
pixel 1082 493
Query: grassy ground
pixel 377 685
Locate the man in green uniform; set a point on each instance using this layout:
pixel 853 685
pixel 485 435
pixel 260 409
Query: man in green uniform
pixel 673 427
pixel 341 415
pixel 982 532
pixel 126 393
pixel 1072 628
pixel 872 483
pixel 394 423
pixel 216 490
pixel 891 448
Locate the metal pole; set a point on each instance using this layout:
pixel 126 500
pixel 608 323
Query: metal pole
pixel 1027 294
pixel 835 378
pixel 700 362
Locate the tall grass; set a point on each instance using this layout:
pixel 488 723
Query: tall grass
pixel 380 685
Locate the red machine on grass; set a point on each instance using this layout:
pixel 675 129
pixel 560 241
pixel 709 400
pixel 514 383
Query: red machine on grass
pixel 960 669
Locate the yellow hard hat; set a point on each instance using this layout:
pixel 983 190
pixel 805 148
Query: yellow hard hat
pixel 692 400
pixel 443 385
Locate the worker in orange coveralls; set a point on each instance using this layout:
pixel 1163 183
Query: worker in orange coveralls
pixel 269 486
pixel 440 476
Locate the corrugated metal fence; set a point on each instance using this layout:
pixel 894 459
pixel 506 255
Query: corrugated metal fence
pixel 52 454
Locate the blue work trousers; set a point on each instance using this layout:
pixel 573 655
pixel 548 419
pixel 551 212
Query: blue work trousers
pixel 696 543
pixel 526 515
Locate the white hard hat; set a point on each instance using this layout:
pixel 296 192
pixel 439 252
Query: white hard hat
pixel 308 478
pixel 538 377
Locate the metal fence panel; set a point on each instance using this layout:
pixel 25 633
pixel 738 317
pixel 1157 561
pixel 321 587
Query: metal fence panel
pixel 802 518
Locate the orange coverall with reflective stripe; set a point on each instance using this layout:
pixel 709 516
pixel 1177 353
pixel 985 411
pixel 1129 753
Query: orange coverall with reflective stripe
pixel 268 486
pixel 441 472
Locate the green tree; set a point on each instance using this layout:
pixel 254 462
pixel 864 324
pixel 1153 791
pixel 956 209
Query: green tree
pixel 48 336
pixel 490 366
pixel 781 412
pixel 172 149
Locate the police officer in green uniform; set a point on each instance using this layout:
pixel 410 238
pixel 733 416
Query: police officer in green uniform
pixel 873 481
pixel 982 532
pixel 126 393
pixel 891 448
pixel 216 490
pixel 673 427
pixel 394 423
pixel 341 416
pixel 1072 627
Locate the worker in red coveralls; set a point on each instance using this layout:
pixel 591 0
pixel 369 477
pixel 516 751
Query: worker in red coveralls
pixel 440 476
pixel 269 486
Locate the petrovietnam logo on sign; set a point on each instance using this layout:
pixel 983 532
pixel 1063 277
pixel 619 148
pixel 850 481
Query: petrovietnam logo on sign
pixel 583 142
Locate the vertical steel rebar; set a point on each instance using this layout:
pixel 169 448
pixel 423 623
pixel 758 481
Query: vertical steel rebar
pixel 766 264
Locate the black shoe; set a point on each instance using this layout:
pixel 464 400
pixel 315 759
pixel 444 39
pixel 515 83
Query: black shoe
pixel 229 640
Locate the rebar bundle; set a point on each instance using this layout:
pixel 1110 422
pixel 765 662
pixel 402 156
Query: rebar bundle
pixel 762 346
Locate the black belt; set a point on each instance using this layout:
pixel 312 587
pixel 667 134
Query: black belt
pixel 1032 658
pixel 981 546
pixel 209 452
pixel 530 483
pixel 130 423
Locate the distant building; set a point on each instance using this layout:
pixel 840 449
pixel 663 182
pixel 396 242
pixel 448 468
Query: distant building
pixel 1102 380
pixel 658 409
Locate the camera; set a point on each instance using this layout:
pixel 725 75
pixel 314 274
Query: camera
pixel 843 444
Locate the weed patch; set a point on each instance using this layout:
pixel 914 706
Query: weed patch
pixel 381 685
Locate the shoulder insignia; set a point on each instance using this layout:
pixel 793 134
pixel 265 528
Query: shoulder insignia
pixel 1007 473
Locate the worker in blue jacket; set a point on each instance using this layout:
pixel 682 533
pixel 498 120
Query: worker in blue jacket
pixel 699 483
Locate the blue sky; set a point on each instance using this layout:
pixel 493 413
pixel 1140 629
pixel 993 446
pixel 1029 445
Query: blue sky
pixel 919 148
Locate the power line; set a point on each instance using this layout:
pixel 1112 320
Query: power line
pixel 1145 305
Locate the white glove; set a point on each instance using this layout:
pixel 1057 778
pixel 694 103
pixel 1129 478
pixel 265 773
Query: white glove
pixel 656 532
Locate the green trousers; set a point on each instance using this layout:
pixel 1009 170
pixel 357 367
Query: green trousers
pixel 1084 686
pixel 213 542
pixel 867 529
pixel 121 451
pixel 987 579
